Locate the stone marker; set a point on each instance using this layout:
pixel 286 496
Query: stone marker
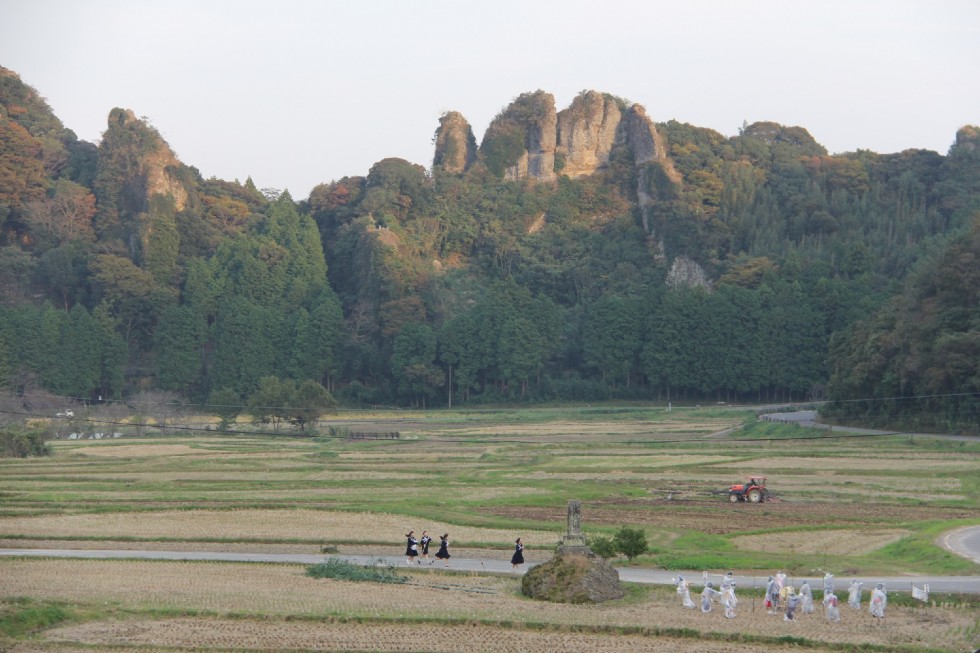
pixel 573 541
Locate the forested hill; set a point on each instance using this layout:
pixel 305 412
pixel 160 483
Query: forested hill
pixel 577 254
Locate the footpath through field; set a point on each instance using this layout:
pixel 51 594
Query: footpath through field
pixel 955 584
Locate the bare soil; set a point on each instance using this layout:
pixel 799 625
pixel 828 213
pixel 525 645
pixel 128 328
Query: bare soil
pixel 720 517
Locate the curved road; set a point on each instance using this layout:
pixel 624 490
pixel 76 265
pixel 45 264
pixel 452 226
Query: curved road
pixel 963 542
pixel 958 584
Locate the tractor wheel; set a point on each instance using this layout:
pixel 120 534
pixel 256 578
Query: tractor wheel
pixel 755 496
pixel 733 498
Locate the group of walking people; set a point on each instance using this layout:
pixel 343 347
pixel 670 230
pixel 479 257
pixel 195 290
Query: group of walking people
pixel 781 597
pixel 417 550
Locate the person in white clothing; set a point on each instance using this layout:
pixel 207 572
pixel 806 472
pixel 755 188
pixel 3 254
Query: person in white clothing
pixel 684 592
pixel 708 594
pixel 879 601
pixel 854 595
pixel 728 598
pixel 807 594
pixel 833 614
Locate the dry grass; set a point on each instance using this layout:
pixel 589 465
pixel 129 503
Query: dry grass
pixel 570 430
pixel 254 525
pixel 290 635
pixel 266 595
pixel 879 463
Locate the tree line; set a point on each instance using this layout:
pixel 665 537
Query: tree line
pixel 411 287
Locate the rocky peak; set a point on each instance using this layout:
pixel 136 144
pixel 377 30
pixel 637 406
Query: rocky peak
pixel 642 136
pixel 685 272
pixel 455 144
pixel 527 138
pixel 520 141
pixel 587 132
pixel 156 162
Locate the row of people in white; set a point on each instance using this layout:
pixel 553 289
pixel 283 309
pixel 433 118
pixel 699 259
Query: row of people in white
pixel 775 594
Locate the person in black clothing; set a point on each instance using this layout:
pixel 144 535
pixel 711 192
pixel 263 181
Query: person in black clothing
pixel 413 547
pixel 443 553
pixel 518 557
pixel 424 542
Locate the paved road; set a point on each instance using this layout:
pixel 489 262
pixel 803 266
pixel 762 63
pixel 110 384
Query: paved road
pixel 964 542
pixel 959 584
pixel 810 419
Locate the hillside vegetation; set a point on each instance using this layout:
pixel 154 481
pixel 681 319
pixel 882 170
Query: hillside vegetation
pixel 669 262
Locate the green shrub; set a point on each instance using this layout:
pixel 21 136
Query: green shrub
pixel 342 570
pixel 19 443
pixel 602 546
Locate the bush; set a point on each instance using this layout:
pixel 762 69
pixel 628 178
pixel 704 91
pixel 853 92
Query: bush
pixel 342 570
pixel 18 443
pixel 602 546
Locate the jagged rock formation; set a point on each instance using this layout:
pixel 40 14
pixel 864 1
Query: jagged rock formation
pixel 157 166
pixel 587 132
pixel 140 186
pixel 455 144
pixel 529 140
pixel 520 141
pixel 687 272
pixel 572 579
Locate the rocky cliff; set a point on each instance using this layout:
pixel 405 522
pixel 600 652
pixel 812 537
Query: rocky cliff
pixel 455 144
pixel 528 139
pixel 155 169
pixel 520 141
pixel 587 132
pixel 140 187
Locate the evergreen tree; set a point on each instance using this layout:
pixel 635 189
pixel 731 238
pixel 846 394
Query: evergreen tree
pixel 179 341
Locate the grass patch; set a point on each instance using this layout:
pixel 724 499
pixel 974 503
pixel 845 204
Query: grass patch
pixel 342 570
pixel 23 617
pixel 920 552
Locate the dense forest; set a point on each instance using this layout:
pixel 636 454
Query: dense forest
pixel 684 266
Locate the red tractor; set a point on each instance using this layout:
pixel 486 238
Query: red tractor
pixel 753 490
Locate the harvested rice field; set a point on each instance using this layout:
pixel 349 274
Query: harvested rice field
pixel 277 607
pixel 868 505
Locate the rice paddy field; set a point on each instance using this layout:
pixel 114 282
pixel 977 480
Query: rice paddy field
pixel 848 503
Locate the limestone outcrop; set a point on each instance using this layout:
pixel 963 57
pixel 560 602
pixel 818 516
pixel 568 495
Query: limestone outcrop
pixel 520 141
pixel 587 132
pixel 528 139
pixel 685 272
pixel 155 169
pixel 455 144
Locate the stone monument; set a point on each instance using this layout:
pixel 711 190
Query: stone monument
pixel 575 574
pixel 573 542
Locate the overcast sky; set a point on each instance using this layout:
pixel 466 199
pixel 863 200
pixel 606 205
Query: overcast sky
pixel 294 93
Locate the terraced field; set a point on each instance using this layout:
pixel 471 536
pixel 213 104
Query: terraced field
pixel 868 505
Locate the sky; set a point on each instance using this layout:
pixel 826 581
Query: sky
pixel 295 93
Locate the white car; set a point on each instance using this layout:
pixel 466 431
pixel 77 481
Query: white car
pixel 67 413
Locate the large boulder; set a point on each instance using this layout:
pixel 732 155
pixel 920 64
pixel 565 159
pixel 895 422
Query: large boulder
pixel 573 579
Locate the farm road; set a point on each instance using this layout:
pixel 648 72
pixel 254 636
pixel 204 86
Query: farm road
pixel 958 584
